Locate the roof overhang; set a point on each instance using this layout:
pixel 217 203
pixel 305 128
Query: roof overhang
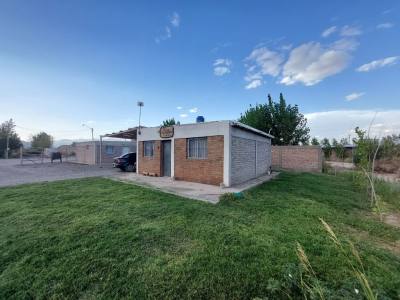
pixel 130 133
pixel 249 128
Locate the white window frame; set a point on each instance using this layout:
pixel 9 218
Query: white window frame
pixel 145 154
pixel 197 151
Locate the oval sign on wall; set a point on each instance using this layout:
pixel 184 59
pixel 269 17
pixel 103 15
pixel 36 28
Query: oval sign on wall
pixel 167 132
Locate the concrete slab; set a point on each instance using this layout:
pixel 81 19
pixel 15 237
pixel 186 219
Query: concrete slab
pixel 192 190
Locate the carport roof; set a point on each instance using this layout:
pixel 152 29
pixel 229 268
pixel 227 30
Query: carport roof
pixel 130 133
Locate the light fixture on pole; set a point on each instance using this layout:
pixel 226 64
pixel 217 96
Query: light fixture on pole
pixel 140 104
pixel 91 130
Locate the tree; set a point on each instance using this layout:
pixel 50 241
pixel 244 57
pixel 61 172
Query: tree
pixel 339 148
pixel 42 140
pixel 284 122
pixel 314 141
pixel 7 129
pixel 390 147
pixel 326 147
pixel 366 148
pixel 169 122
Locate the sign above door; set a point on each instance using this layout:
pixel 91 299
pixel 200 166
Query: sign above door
pixel 167 132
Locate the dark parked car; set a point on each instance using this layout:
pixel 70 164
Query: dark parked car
pixel 126 162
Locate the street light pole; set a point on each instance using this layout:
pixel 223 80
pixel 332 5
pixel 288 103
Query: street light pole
pixel 140 104
pixel 94 143
pixel 91 130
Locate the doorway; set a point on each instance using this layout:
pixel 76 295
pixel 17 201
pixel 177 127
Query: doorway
pixel 166 162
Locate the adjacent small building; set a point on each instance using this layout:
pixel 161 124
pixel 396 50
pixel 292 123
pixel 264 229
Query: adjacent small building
pixel 92 154
pixel 222 153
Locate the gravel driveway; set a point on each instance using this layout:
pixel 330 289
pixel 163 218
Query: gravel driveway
pixel 12 173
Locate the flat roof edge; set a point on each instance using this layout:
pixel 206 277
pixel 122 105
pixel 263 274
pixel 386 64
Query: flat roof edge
pixel 249 128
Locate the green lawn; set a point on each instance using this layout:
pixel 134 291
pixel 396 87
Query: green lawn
pixel 97 238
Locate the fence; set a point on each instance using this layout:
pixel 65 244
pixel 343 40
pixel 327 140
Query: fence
pixel 31 155
pixel 297 158
pixel 40 155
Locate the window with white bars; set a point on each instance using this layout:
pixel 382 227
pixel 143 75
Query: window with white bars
pixel 148 148
pixel 197 148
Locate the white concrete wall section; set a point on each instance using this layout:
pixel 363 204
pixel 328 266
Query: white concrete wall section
pixel 187 131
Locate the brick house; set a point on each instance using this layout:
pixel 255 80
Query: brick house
pixel 218 153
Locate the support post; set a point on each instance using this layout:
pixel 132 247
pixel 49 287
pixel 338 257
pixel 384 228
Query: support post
pixel 20 154
pixel 101 151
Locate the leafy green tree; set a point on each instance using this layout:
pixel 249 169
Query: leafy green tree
pixel 284 122
pixel 42 140
pixel 339 148
pixel 314 141
pixel 326 147
pixel 7 128
pixel 169 122
pixel 365 150
pixel 390 147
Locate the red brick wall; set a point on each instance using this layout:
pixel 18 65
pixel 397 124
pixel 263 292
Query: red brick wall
pixel 209 171
pixel 297 158
pixel 150 164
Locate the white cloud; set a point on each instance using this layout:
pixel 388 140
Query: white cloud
pixel 341 123
pixel 193 110
pixel 354 96
pixel 183 115
pixel 174 22
pixel 380 63
pixel 260 62
pixel 254 84
pixel 267 61
pixel 220 71
pixel 327 32
pixel 346 44
pixel 179 107
pixel 310 63
pixel 222 66
pixel 222 61
pixel 287 47
pixel 385 25
pixel 175 19
pixel 387 11
pixel 350 31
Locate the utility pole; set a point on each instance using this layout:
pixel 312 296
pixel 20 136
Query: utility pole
pixel 140 104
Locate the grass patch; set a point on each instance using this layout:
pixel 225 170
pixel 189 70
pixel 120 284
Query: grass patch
pixel 97 238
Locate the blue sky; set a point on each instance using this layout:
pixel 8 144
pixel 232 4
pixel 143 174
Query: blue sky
pixel 63 63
